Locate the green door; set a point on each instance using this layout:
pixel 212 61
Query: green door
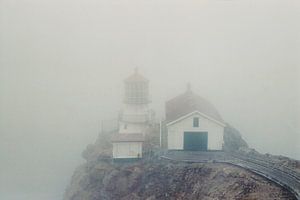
pixel 195 141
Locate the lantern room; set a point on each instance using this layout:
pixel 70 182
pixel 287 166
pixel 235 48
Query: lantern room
pixel 136 89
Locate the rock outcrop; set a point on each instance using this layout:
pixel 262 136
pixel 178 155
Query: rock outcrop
pixel 233 140
pixel 164 180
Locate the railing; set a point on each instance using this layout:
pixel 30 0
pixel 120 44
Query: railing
pixel 137 99
pixel 282 175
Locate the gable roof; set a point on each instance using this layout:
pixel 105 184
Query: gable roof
pixel 187 103
pixel 192 113
pixel 128 137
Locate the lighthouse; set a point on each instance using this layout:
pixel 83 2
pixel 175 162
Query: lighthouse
pixel 134 119
pixel 135 114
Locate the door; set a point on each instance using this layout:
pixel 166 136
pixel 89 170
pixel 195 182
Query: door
pixel 195 141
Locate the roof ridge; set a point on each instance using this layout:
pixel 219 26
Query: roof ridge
pixel 188 102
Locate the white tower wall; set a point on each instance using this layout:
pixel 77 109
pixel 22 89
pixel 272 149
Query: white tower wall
pixel 135 115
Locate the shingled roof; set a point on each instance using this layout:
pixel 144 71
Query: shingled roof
pixel 128 137
pixel 189 102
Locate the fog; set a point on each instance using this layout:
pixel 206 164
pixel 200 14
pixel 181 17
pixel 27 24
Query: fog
pixel 62 64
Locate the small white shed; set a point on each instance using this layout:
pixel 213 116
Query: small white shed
pixel 127 146
pixel 193 124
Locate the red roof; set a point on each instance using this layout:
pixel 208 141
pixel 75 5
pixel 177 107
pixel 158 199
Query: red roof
pixel 187 103
pixel 128 137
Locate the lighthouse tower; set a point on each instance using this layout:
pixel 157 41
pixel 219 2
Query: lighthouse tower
pixel 135 115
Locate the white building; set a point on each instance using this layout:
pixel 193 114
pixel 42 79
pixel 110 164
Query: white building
pixel 127 146
pixel 134 119
pixel 193 124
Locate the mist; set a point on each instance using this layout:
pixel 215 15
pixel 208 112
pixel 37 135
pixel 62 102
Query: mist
pixel 62 66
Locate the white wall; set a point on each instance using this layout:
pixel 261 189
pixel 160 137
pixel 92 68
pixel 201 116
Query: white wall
pixel 176 131
pixel 127 149
pixel 135 118
pixel 135 113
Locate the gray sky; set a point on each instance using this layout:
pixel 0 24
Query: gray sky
pixel 62 63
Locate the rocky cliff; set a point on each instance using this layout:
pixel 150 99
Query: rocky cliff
pixel 165 180
pixel 153 178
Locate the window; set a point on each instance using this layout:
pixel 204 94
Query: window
pixel 196 122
